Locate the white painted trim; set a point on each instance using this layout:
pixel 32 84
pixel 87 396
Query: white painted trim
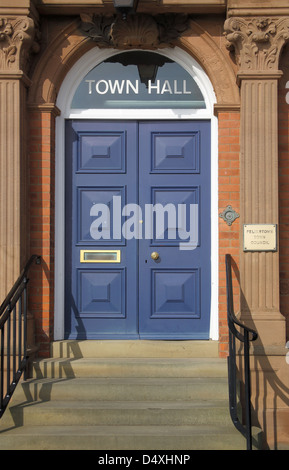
pixel 67 90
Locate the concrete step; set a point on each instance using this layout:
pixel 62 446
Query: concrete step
pixel 130 348
pixel 198 437
pixel 118 413
pixel 129 367
pixel 123 389
pixel 123 395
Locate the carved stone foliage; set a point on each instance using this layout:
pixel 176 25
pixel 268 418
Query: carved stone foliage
pixel 257 41
pixel 16 40
pixel 139 30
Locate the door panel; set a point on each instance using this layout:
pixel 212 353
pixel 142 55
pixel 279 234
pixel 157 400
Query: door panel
pixel 175 288
pixel 101 297
pixel 114 289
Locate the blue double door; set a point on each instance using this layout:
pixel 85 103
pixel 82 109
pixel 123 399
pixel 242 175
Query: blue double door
pixel 138 232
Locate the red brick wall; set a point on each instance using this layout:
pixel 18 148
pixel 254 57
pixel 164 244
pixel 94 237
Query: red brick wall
pixel 284 186
pixel 41 191
pixel 229 194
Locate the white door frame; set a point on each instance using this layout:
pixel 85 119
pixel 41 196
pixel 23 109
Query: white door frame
pixel 66 93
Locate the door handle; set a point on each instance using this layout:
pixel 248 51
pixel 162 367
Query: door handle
pixel 155 255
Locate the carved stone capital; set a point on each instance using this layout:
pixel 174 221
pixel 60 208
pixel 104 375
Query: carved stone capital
pixel 257 41
pixel 16 40
pixel 139 30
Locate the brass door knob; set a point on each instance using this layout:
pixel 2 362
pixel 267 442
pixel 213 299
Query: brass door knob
pixel 155 255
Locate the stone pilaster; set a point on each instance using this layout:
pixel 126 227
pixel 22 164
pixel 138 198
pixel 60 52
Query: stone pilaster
pixel 257 43
pixel 16 40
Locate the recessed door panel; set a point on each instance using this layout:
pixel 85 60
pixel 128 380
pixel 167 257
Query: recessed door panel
pixel 175 293
pixel 101 293
pixel 101 152
pixel 175 153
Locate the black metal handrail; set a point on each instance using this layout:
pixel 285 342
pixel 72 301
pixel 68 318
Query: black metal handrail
pixel 13 336
pixel 245 336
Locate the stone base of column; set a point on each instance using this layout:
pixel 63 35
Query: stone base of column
pixel 269 393
pixel 271 329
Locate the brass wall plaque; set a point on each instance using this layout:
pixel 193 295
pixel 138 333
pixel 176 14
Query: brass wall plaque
pixel 260 237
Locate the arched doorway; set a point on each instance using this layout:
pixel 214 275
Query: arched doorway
pixel 124 157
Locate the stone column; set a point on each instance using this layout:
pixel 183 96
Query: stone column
pixel 16 39
pixel 257 43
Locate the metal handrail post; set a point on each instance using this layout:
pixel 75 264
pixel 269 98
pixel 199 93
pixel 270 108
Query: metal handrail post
pixel 17 351
pixel 244 338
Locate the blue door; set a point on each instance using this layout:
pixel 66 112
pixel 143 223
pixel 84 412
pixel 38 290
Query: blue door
pixel 138 245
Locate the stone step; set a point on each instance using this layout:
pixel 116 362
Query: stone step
pixel 123 395
pixel 198 437
pixel 118 413
pixel 129 367
pixel 130 348
pixel 123 388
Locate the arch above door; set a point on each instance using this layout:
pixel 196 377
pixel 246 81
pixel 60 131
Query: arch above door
pixel 90 60
pixel 69 46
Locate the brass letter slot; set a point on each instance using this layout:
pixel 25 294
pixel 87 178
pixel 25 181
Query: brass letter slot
pixel 100 256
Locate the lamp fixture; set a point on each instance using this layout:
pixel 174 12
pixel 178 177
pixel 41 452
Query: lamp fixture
pixel 125 7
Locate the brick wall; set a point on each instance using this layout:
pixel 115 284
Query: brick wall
pixel 229 194
pixel 284 186
pixel 41 191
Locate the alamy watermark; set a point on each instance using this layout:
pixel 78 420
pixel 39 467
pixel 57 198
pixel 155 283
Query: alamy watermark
pixel 162 222
pixel 287 94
